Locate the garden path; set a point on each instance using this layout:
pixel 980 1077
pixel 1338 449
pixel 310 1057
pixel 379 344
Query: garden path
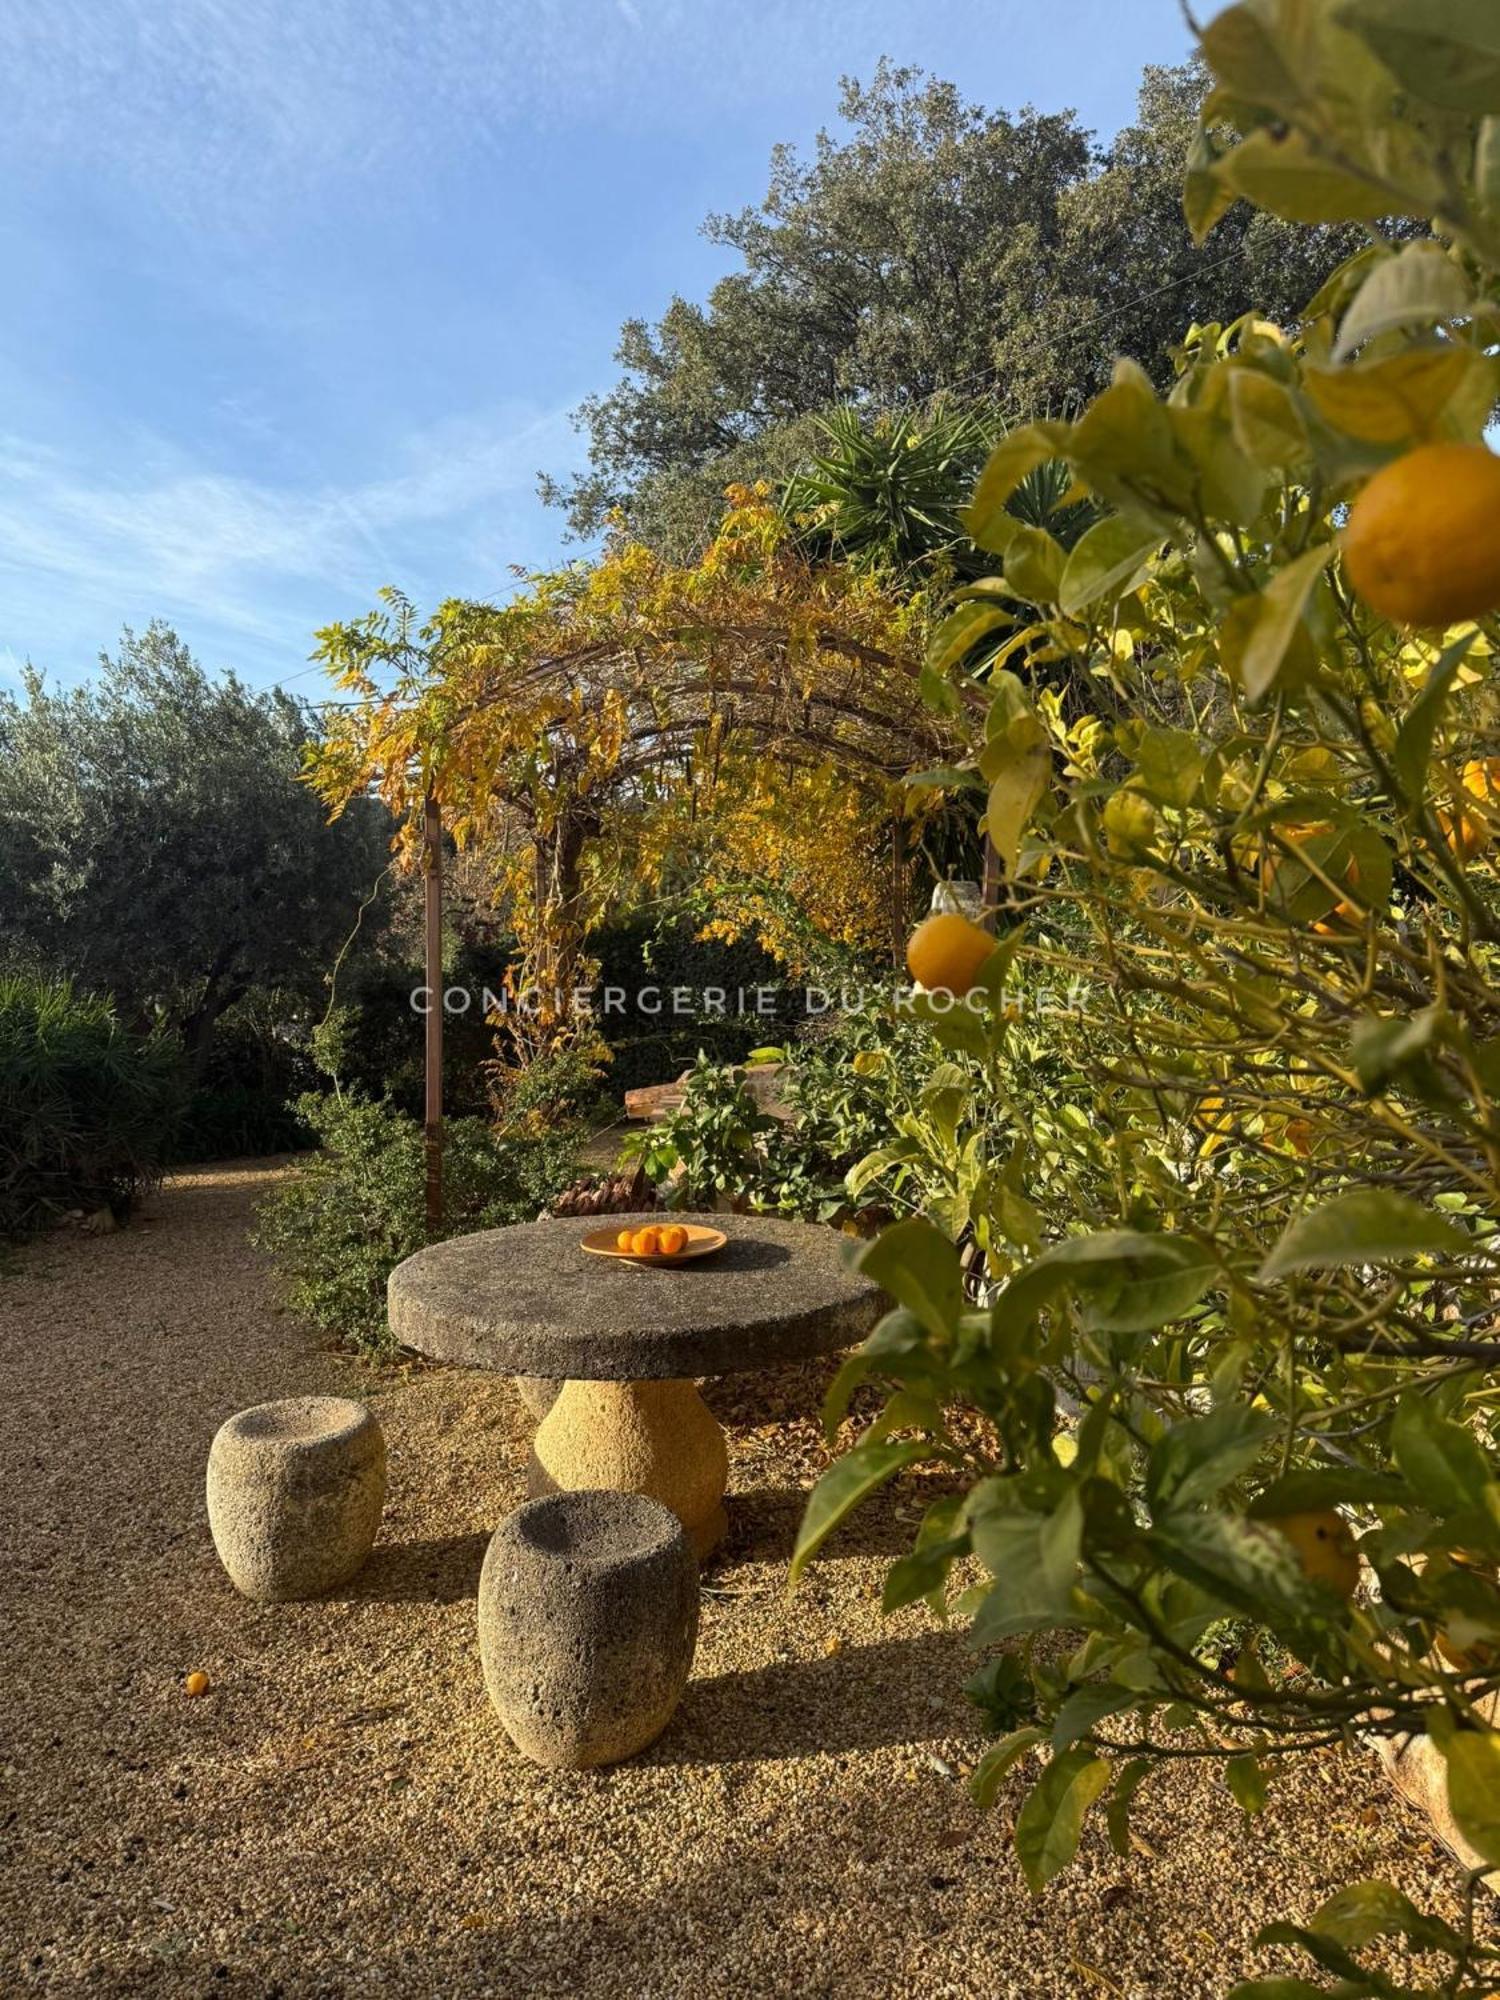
pixel 342 1815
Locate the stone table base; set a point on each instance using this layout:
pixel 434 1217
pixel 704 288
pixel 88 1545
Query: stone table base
pixel 1419 1772
pixel 657 1438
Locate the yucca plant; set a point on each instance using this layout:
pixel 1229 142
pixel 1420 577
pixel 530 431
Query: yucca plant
pixel 887 491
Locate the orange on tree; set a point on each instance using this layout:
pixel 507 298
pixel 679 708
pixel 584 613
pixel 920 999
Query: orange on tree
pixel 1483 1658
pixel 1480 1656
pixel 1324 1545
pixel 946 952
pixel 1470 828
pixel 1421 545
pixel 1344 915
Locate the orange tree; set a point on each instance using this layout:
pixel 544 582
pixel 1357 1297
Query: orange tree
pixel 1235 1341
pixel 585 734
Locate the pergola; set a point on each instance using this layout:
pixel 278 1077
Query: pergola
pixel 562 708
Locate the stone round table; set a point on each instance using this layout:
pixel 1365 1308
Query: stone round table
pixel 626 1339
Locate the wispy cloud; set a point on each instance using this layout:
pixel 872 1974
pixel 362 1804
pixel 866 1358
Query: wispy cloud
pixel 240 554
pixel 221 108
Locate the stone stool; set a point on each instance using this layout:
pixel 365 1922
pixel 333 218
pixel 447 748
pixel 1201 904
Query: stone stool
pixel 295 1491
pixel 588 1616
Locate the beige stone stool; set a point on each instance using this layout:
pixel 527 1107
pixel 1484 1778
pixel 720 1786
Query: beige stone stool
pixel 295 1491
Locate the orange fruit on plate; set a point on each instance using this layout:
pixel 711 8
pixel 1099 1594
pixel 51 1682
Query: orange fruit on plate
pixel 625 1238
pixel 1421 546
pixel 673 1240
pixel 644 1243
pixel 945 953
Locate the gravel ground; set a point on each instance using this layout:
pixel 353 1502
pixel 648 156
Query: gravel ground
pixel 342 1813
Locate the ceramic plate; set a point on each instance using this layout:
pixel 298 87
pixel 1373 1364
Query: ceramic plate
pixel 701 1242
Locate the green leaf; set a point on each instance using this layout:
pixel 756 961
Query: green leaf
pixel 1412 757
pixel 1473 1758
pixel 1382 1048
pixel 1016 761
pixel 1440 1458
pixel 954 1022
pixel 1125 448
pixel 1086 1707
pixel 1051 1821
pixel 1368 1910
pixel 1242 1563
pixel 1170 765
pixel 1441 389
pixel 1194 1461
pixel 1135 1280
pixel 920 1574
pixel 919 1267
pixel 961 631
pixel 1032 1556
pixel 1287 177
pixel 1367 1227
pixel 1447 51
pixel 999 1760
pixel 1420 286
pixel 853 1372
pixel 1317 1487
pixel 923 1573
pixel 1246 57
pixel 1277 617
pixel 1487 164
pixel 1246 1778
pixel 1034 562
pixel 1268 426
pixel 943 778
pixel 985 518
pixel 847 1483
pixel 1121 1798
pixel 1207 196
pixel 1106 561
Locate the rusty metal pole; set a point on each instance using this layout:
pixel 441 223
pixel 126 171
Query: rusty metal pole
pixel 898 897
pixel 991 884
pixel 432 902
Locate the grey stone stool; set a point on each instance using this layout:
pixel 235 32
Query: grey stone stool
pixel 588 1616
pixel 295 1491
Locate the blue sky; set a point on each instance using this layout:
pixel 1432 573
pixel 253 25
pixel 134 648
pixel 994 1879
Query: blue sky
pixel 299 293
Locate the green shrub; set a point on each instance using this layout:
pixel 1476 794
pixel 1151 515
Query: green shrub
pixel 339 1226
pixel 244 1100
pixel 373 1042
pixel 858 1091
pixel 88 1110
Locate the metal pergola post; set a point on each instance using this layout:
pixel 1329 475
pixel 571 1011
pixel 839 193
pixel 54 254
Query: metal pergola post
pixel 432 907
